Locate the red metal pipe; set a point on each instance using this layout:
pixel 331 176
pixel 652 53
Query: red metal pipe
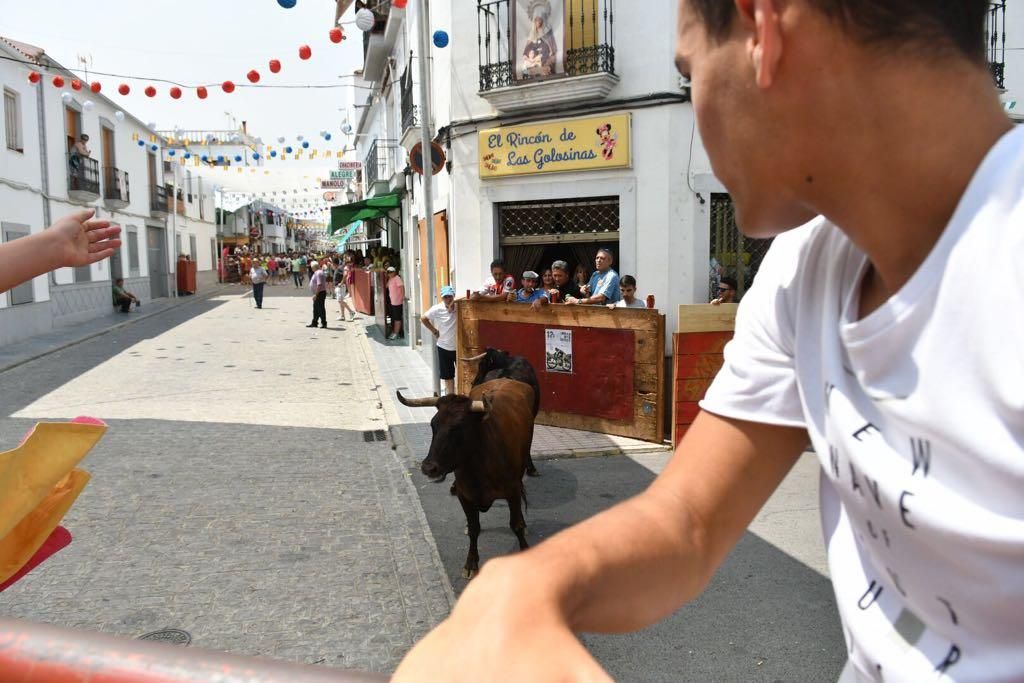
pixel 41 653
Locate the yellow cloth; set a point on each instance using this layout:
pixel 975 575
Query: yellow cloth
pixel 38 484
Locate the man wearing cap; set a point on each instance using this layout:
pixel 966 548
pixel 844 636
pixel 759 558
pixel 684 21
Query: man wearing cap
pixel 529 293
pixel 396 297
pixel 440 319
pixel 318 287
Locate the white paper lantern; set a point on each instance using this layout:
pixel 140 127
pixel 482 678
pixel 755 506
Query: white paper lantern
pixel 151 125
pixel 299 138
pixel 88 105
pixel 66 97
pixel 365 19
pixel 119 115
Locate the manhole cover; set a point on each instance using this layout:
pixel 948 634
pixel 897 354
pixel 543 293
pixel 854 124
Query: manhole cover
pixel 174 636
pixel 375 435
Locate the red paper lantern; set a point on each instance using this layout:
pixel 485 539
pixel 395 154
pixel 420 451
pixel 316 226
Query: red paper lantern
pixel 275 66
pixel 253 76
pixel 305 52
pixel 34 77
pixel 176 92
pixel 96 87
pixel 58 82
pixel 123 89
pixel 201 92
pixel 399 4
pixel 76 84
pixel 150 91
pixel 228 87
pixel 336 35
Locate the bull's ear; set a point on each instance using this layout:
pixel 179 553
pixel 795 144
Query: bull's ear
pixel 487 403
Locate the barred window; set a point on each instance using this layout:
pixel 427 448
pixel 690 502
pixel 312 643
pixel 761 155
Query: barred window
pixel 568 220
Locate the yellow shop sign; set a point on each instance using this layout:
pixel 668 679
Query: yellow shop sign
pixel 556 146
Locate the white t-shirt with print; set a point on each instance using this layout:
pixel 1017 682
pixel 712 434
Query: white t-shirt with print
pixel 444 320
pixel 916 412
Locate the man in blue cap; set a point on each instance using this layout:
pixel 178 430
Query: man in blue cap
pixel 440 320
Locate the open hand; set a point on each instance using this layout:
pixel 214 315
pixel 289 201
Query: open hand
pixel 80 240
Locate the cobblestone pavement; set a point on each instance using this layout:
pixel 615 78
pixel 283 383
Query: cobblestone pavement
pixel 242 492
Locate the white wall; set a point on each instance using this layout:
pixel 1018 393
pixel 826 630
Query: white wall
pixel 1015 55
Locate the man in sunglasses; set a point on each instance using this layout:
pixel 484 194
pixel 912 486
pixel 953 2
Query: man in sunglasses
pixel 726 292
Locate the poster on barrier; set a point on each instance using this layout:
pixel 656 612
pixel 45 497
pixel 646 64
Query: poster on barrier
pixel 558 351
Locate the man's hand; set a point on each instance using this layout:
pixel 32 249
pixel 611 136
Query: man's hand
pixel 78 239
pixel 497 614
pixel 510 297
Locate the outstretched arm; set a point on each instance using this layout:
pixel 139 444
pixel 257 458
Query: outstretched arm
pixel 621 570
pixel 74 240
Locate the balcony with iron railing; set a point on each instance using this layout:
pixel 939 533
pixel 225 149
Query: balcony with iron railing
pixel 380 165
pixel 530 58
pixel 115 188
pixel 83 178
pixel 995 41
pixel 158 207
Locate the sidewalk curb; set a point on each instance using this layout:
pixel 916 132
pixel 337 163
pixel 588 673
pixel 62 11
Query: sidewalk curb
pixel 401 449
pixel 92 335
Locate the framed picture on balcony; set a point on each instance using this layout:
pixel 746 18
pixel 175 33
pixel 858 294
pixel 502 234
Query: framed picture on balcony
pixel 539 38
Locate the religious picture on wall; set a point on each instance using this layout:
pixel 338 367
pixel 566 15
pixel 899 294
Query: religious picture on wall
pixel 539 38
pixel 558 351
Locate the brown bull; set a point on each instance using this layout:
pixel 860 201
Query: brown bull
pixel 485 440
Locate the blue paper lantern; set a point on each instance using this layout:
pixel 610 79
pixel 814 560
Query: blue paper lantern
pixel 273 153
pixel 188 155
pixel 204 158
pixel 142 143
pixel 154 147
pixel 287 150
pixel 255 155
pixel 170 152
pixel 238 159
pixel 287 4
pixel 220 158
pixel 440 38
pixel 305 144
pixel 327 137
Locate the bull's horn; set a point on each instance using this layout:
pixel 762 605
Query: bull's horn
pixel 479 407
pixel 430 402
pixel 474 359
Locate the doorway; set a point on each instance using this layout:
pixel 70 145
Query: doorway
pixel 157 250
pixel 440 257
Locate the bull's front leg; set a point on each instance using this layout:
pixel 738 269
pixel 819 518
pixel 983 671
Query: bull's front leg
pixel 473 528
pixel 516 519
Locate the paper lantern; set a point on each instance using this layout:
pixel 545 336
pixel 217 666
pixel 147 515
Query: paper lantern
pixel 119 115
pixel 67 97
pixel 76 84
pixel 253 76
pixel 151 125
pixel 142 143
pixel 273 153
pixel 305 145
pixel 150 91
pixel 305 52
pixel 238 159
pixel 228 87
pixel 220 158
pixel 337 35
pixel 287 4
pixel 255 155
pixel 204 158
pixel 123 89
pixel 365 19
pixel 327 136
pixel 170 152
pixel 300 138
pixel 96 87
pixel 201 92
pixel 287 150
pixel 280 140
pixel 188 155
pixel 399 4
pixel 58 82
pixel 440 38
pixel 88 105
pixel 176 92
pixel 154 147
pixel 34 77
pixel 275 66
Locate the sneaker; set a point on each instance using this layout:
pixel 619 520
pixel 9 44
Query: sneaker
pixel 340 319
pixel 313 325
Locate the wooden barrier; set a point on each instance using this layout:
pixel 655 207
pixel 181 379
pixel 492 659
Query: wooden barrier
pixel 362 292
pixel 698 347
pixel 611 380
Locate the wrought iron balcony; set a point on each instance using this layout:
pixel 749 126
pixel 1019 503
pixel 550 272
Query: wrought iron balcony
pixel 158 201
pixel 115 187
pixel 574 39
pixel 380 165
pixel 995 41
pixel 83 178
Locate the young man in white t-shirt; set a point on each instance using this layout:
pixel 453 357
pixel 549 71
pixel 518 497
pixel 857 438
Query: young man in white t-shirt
pixel 440 319
pixel 861 333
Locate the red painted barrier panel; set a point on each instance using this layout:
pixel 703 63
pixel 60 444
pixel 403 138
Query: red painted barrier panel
pixel 362 292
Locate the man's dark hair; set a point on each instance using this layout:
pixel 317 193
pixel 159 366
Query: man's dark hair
pixel 118 280
pixel 497 263
pixel 627 281
pixel 731 282
pixel 929 25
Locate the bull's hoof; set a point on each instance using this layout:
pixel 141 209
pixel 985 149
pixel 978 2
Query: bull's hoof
pixel 468 573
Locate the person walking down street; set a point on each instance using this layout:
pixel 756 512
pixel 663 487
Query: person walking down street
pixel 440 319
pixel 603 287
pixel 318 288
pixel 297 271
pixel 342 278
pixel 396 297
pixel 258 275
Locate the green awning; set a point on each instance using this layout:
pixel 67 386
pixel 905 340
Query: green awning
pixel 368 209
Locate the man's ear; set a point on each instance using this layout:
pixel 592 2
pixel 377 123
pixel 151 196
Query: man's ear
pixel 764 46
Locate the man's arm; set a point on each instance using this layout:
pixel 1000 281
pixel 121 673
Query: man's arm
pixel 621 570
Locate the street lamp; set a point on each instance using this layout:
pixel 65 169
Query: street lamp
pixel 350 195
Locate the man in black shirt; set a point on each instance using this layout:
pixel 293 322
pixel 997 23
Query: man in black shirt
pixel 563 282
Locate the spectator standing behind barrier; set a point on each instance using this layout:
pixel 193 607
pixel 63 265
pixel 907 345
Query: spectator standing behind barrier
pixel 627 289
pixel 123 297
pixel 603 287
pixel 498 285
pixel 562 284
pixel 258 276
pixel 580 276
pixel 528 294
pixel 440 319
pixel 396 297
pixel 726 292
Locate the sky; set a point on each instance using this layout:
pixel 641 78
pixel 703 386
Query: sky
pixel 207 42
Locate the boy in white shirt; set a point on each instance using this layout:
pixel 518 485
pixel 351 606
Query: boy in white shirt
pixel 627 288
pixel 440 319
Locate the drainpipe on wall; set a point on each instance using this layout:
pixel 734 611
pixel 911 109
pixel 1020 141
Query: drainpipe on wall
pixel 428 168
pixel 43 165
